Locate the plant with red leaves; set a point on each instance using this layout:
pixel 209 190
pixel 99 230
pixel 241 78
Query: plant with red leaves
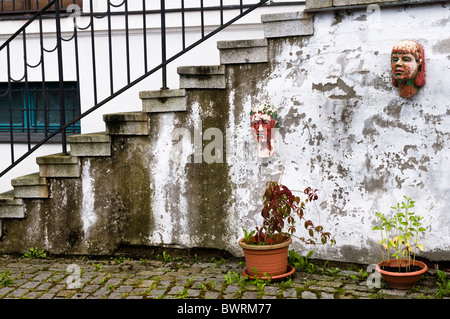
pixel 280 209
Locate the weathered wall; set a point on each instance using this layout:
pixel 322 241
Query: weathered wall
pixel 346 131
pixel 343 130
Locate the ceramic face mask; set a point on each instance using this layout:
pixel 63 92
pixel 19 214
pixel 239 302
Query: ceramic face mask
pixel 408 67
pixel 263 122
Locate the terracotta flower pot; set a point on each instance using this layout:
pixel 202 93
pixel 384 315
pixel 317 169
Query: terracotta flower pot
pixel 401 280
pixel 269 259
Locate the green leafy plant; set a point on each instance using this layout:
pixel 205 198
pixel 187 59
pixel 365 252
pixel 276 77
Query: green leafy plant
pixel 119 260
pixel 259 282
pixel 232 277
pixel 167 258
pixel 210 285
pixel 5 279
pixel 400 233
pixel 361 275
pixel 301 263
pixel 183 294
pixel 443 285
pixel 97 266
pixel 143 261
pixel 35 253
pixel 218 262
pixel 280 208
pixel 285 283
pixel 189 281
pixel 242 282
pixel 248 235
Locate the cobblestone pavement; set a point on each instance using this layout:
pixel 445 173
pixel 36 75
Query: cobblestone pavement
pixel 173 278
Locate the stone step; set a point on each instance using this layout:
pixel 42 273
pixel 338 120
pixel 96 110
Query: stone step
pixel 127 123
pixel 91 144
pixel 163 101
pixel 318 4
pixel 30 186
pixel 287 24
pixel 10 206
pixel 243 51
pixel 59 165
pixel 202 77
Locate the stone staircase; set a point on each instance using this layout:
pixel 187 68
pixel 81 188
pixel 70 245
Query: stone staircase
pixel 36 188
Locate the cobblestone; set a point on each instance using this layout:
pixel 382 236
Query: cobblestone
pixel 22 278
pixel 308 295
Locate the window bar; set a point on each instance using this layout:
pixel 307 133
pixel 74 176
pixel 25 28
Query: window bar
pixel 202 17
pixel 11 121
pixel 26 102
pixel 94 74
pixel 33 110
pixel 77 62
pixel 61 78
pixel 44 93
pixel 111 73
pixel 127 43
pixel 242 6
pixel 221 12
pixel 144 27
pixel 183 31
pixel 163 46
pixel 74 111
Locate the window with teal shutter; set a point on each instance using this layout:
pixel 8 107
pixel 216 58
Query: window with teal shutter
pixel 37 109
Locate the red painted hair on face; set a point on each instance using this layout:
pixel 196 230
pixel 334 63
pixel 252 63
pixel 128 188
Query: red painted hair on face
pixel 414 48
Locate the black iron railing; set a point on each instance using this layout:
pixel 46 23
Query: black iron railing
pixel 50 63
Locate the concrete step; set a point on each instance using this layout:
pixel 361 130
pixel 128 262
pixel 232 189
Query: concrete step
pixel 92 144
pixel 10 206
pixel 127 123
pixel 30 186
pixel 287 24
pixel 59 165
pixel 163 101
pixel 243 51
pixel 202 77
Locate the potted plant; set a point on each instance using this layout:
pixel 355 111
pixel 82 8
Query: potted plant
pixel 266 247
pixel 399 239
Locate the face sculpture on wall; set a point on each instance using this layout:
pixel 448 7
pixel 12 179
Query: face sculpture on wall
pixel 264 121
pixel 408 67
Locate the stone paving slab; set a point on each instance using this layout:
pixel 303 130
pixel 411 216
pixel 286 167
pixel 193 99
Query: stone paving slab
pixel 126 278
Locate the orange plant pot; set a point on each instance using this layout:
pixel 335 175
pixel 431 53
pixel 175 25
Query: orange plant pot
pixel 401 280
pixel 266 259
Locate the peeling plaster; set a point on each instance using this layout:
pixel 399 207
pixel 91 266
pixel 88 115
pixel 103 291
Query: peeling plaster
pixel 160 155
pixel 346 132
pixel 88 215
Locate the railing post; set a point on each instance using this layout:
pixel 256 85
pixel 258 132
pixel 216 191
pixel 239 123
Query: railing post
pixel 163 45
pixel 60 75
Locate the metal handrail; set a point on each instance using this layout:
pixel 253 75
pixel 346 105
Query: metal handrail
pixel 56 13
